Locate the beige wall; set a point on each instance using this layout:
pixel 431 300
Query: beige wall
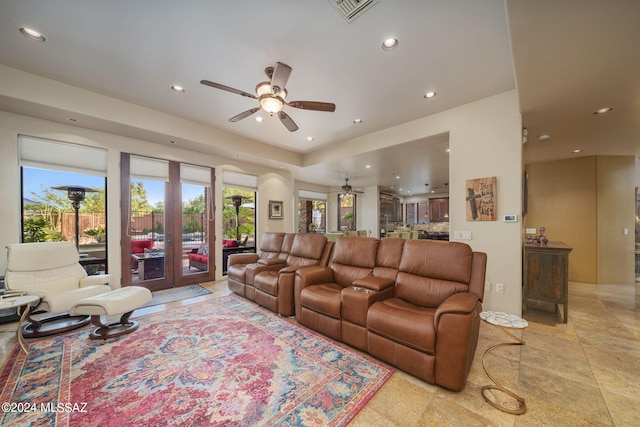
pixel 562 198
pixel 587 203
pixel 616 209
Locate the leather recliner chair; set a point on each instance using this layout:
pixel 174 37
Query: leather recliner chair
pixel 274 287
pixel 430 326
pixel 270 248
pixel 318 291
pixel 51 271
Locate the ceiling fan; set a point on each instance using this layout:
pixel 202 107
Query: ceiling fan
pixel 347 189
pixel 271 96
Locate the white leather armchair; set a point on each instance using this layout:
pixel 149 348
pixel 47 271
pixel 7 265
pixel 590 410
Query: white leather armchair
pixel 52 272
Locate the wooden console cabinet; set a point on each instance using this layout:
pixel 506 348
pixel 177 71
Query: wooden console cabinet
pixel 546 275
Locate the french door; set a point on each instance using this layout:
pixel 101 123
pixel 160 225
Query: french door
pixel 167 223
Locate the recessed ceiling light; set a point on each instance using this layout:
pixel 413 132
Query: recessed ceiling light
pixel 390 43
pixel 259 119
pixel 577 150
pixel 603 110
pixel 177 88
pixel 32 34
pixel 71 119
pixel 309 138
pixel 448 150
pixel 397 176
pixel 430 94
pixel 357 121
pixel 368 166
pixel 173 142
pixel 544 137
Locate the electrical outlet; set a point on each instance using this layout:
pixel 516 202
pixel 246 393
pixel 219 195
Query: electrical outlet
pixel 462 235
pixel 499 288
pixel 487 286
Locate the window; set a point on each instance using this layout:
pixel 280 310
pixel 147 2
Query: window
pixel 417 213
pixel 346 212
pixel 312 212
pixel 239 216
pixel 64 197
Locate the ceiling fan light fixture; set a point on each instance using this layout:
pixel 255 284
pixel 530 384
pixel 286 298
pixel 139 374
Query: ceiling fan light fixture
pixel 271 104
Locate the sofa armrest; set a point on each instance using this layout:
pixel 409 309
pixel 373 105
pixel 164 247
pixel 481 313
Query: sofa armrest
pixel 373 283
pixel 100 279
pixel 457 325
pixel 313 275
pixel 246 258
pixel 459 303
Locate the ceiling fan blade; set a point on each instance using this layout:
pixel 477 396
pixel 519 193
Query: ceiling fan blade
pixel 280 76
pixel 243 115
pixel 287 121
pixel 227 88
pixel 313 105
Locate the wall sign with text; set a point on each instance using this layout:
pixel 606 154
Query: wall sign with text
pixel 481 199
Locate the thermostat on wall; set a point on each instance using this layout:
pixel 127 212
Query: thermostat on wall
pixel 510 218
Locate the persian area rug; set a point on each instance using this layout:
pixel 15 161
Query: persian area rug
pixel 222 362
pixel 176 294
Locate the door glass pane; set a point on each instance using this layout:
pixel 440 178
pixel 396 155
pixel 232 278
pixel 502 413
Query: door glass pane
pixel 146 228
pixel 196 212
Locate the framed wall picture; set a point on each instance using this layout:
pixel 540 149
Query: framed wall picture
pixel 275 209
pixel 481 197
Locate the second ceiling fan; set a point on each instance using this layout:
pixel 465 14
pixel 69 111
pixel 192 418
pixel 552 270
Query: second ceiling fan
pixel 271 96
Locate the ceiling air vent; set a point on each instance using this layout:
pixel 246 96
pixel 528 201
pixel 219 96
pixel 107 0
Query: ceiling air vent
pixel 351 9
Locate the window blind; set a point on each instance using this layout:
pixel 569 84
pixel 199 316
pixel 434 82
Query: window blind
pixel 47 154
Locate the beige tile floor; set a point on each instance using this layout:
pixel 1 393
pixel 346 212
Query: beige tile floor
pixel 586 372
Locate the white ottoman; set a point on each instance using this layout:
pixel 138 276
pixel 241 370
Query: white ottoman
pixel 120 301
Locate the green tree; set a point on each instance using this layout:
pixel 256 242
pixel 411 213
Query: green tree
pixel 139 202
pixel 50 204
pixel 194 206
pixel 34 230
pixel 94 202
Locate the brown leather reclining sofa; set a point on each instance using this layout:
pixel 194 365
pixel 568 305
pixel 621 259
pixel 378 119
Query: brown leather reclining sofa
pixel 267 278
pixel 414 304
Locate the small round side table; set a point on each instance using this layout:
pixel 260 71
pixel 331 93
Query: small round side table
pixel 22 303
pixel 502 321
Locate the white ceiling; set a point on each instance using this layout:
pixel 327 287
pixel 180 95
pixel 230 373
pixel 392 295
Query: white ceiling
pixel 569 57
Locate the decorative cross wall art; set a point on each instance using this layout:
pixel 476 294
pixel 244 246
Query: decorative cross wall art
pixel 481 199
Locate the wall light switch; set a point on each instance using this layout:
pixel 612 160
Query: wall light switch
pixel 462 235
pixel 487 286
pixel 626 231
pixel 499 288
